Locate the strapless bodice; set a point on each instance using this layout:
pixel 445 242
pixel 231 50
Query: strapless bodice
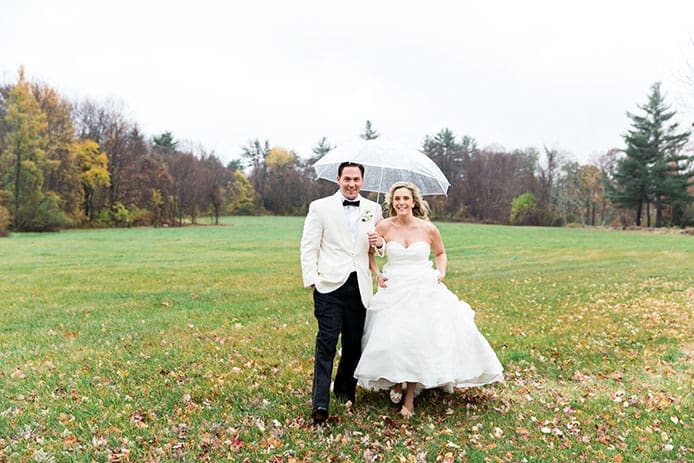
pixel 410 265
pixel 416 253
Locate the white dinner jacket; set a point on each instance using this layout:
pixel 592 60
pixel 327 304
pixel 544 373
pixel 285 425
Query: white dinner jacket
pixel 328 254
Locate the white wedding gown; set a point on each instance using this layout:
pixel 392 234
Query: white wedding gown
pixel 418 331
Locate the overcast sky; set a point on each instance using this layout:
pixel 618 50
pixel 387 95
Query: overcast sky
pixel 515 74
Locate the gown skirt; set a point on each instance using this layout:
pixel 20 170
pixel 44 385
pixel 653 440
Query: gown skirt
pixel 417 330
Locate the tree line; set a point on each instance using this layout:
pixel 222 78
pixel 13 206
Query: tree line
pixel 76 164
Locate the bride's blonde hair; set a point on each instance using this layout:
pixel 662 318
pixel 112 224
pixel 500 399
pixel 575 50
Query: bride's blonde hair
pixel 420 208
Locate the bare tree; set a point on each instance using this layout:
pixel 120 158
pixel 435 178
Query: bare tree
pixel 254 154
pixel 214 178
pixel 490 184
pixel 546 176
pixel 181 167
pixel 106 125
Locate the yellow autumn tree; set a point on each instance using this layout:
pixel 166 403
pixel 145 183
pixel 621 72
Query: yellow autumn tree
pixel 241 200
pixel 93 168
pixel 279 157
pixel 61 174
pixel 23 163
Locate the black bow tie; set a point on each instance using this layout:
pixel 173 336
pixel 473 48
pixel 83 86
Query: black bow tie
pixel 347 202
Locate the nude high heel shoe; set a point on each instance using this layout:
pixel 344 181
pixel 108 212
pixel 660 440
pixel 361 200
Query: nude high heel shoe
pixel 395 397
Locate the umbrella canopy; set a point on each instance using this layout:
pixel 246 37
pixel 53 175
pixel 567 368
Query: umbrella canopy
pixel 384 164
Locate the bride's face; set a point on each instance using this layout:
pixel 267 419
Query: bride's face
pixel 403 201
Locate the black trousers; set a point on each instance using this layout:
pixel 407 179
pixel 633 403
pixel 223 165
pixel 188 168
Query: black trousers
pixel 338 312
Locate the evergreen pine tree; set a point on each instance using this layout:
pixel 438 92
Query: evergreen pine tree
pixel 322 148
pixel 654 169
pixel 369 132
pixel 165 141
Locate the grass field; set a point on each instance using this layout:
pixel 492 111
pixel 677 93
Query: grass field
pixel 196 343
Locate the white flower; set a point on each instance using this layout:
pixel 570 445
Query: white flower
pixel 367 216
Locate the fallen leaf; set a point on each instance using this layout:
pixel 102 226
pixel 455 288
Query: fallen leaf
pixel 69 442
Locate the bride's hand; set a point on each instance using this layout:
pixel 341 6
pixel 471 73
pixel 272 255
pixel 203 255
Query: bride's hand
pixel 375 239
pixel 440 276
pixel 381 280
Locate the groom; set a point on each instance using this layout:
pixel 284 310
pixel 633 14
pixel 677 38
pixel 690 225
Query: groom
pixel 338 232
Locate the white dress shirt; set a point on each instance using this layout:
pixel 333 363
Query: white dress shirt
pixel 352 218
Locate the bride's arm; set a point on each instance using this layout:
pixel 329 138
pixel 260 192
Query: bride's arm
pixel 439 251
pixel 373 266
pixel 379 228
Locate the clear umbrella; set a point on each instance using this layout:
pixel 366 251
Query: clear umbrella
pixel 384 164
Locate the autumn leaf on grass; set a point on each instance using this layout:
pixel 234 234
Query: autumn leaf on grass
pixel 41 455
pixel 370 456
pixel 271 443
pixel 99 442
pixel 138 419
pixel 118 455
pixel 235 443
pixel 69 442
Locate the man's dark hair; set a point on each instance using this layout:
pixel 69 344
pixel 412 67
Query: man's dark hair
pixel 349 164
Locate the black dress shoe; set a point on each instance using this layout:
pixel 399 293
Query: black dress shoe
pixel 319 415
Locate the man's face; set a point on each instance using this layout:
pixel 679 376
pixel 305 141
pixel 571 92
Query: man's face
pixel 350 182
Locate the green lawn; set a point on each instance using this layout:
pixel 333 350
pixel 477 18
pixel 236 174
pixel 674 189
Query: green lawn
pixel 196 343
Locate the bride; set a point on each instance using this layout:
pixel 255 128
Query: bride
pixel 417 331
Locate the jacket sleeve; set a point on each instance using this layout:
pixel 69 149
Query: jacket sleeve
pixel 310 245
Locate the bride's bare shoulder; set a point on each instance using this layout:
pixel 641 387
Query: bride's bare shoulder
pixel 423 223
pixel 384 224
pixel 429 227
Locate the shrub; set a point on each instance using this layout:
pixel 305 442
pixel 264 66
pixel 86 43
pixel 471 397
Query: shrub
pixel 116 216
pixel 140 217
pixel 51 216
pixel 523 210
pixel 547 218
pixel 42 214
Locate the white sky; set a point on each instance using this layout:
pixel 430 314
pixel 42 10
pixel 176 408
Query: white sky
pixel 560 74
